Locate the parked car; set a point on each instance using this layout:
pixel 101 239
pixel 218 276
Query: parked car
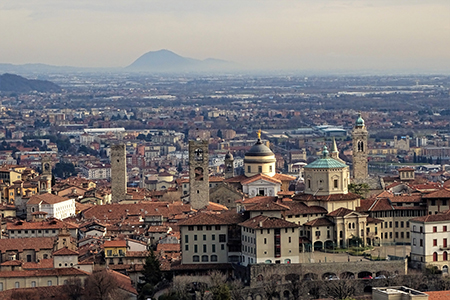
pixel 380 277
pixel 368 277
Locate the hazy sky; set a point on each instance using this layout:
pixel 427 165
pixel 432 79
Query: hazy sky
pixel 301 34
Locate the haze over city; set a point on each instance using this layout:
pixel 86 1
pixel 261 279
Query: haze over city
pixel 302 35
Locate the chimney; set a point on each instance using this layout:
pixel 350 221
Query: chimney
pixel 260 224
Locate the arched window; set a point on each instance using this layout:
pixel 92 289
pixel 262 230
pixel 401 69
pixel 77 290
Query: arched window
pixel 445 255
pixel 287 261
pixel 198 174
pixel 205 258
pixel 195 258
pixel 435 256
pixel 198 154
pixel 213 257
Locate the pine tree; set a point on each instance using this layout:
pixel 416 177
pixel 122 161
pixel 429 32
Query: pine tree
pixel 152 275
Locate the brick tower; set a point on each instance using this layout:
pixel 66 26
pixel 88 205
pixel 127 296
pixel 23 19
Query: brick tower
pixel 118 173
pixel 359 136
pixel 198 174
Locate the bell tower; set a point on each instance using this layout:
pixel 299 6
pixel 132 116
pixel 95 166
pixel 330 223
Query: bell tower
pixel 229 165
pixel 359 137
pixel 45 183
pixel 198 174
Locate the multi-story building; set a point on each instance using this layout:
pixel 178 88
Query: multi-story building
pixel 52 205
pixel 430 236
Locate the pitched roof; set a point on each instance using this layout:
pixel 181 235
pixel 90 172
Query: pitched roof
pixel 443 193
pixel 267 206
pixel 260 177
pixel 283 177
pixel 265 222
pixel 22 244
pixel 319 222
pixel 204 218
pixel 46 199
pixel 51 223
pixel 113 244
pixel 64 252
pixel 340 212
pixel 299 208
pixel 333 197
pixel 325 163
pixel 169 247
pixel 439 217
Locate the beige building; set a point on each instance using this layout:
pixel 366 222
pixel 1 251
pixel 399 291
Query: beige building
pixel 269 240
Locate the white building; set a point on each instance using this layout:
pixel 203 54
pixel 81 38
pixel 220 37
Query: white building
pixel 53 205
pixel 430 238
pixel 97 171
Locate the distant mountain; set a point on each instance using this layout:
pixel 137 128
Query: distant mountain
pixel 168 61
pixel 15 83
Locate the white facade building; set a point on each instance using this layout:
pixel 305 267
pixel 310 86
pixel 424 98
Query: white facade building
pixel 53 205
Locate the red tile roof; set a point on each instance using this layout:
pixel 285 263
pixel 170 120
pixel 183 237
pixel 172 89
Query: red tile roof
pixel 264 222
pixel 443 193
pixel 22 244
pixel 46 198
pixel 204 218
pixel 438 295
pixel 319 222
pixel 340 212
pixel 260 177
pixel 445 216
pixel 113 244
pixel 169 247
pixel 268 206
pixel 64 252
pixel 51 223
pixel 333 197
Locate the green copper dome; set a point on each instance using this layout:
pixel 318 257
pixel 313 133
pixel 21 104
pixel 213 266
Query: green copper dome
pixel 360 121
pixel 326 162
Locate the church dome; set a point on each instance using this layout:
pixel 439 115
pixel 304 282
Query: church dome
pixel 360 121
pixel 259 149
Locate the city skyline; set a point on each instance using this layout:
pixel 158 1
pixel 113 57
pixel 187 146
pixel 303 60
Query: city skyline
pixel 308 35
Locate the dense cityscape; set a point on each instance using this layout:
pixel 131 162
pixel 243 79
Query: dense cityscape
pixel 193 186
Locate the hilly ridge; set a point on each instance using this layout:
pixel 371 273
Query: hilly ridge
pixel 16 83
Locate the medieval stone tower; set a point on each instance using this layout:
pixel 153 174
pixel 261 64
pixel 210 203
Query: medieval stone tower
pixel 118 173
pixel 229 165
pixel 198 174
pixel 45 183
pixel 359 136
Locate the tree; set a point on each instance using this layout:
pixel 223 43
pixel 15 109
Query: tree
pixel 219 134
pixel 64 170
pixel 236 290
pixel 294 285
pixel 101 285
pixel 219 289
pixel 360 189
pixel 74 288
pixel 152 275
pixel 272 281
pixel 340 289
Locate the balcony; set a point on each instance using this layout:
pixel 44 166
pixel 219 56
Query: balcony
pixel 444 247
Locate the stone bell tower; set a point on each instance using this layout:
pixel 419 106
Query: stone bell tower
pixel 229 165
pixel 359 136
pixel 198 174
pixel 118 173
pixel 45 183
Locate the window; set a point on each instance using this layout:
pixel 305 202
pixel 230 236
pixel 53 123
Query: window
pixel 444 202
pixel 195 258
pixel 17 285
pixel 289 239
pixel 402 224
pixel 414 242
pixel 204 237
pixel 249 169
pixel 49 283
pixel 317 233
pixel 213 248
pixel 435 256
pixel 195 248
pixel 390 224
pixel 213 237
pixel 444 228
pixel 270 168
pixel 205 258
pixel 396 224
pixel 445 255
pixel 407 234
pixel 109 252
pixel 186 239
pixel 265 241
pixel 195 237
pixel 433 202
pixel 222 247
pixel 190 228
pixel 434 228
pixel 335 183
pixel 204 248
pixel 435 243
pixel 199 227
pixel 214 257
pixel 420 229
pixel 222 238
pixel 208 227
pixel 217 227
pixel 421 243
pixel 186 247
pixel 444 242
pixel 259 169
pixel 1 286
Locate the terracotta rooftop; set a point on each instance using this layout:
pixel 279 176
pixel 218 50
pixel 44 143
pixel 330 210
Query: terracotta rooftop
pixel 113 244
pixel 264 222
pixel 333 197
pixel 204 218
pixel 169 247
pixel 268 206
pixel 64 252
pixel 46 199
pixel 51 223
pixel 319 222
pixel 439 217
pixel 22 244
pixel 44 273
pixel 260 177
pixel 443 193
pixel 438 295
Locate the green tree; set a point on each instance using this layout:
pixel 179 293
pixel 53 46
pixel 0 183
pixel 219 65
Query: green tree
pixel 152 275
pixel 360 189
